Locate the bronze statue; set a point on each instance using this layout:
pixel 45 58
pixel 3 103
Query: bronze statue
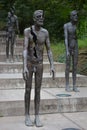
pixel 35 37
pixel 12 27
pixel 71 44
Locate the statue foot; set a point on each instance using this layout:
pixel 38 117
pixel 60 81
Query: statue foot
pixel 11 60
pixel 68 89
pixel 28 121
pixel 38 122
pixel 75 89
pixel 7 60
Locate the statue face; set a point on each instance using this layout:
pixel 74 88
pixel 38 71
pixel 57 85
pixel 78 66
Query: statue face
pixel 38 17
pixel 9 14
pixel 12 12
pixel 74 16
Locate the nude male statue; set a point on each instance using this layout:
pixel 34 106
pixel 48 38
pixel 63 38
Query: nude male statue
pixel 12 27
pixel 71 44
pixel 35 37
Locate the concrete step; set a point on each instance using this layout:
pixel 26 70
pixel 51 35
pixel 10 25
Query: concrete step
pixel 19 41
pixel 12 101
pixel 17 67
pixel 18 57
pixel 17 49
pixel 13 81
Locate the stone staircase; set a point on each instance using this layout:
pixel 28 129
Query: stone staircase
pixel 12 87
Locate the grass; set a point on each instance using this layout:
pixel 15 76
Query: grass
pixel 58 49
pixel 82 43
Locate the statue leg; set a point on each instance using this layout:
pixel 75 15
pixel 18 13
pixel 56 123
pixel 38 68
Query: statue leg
pixel 12 46
pixel 67 88
pixel 28 85
pixel 74 70
pixel 38 81
pixel 7 49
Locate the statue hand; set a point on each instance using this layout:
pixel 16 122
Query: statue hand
pixel 52 71
pixel 68 54
pixel 25 73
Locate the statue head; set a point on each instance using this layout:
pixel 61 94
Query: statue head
pixel 12 10
pixel 9 14
pixel 38 17
pixel 73 16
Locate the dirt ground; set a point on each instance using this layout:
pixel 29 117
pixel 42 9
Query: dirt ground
pixel 82 61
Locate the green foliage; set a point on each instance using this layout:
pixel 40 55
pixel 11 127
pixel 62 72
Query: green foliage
pixel 62 58
pixel 82 43
pixel 82 32
pixel 83 68
pixel 2 25
pixel 56 14
pixel 58 49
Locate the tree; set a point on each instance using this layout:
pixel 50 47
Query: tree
pixel 56 14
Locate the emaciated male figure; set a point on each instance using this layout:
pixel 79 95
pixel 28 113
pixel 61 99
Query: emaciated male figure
pixel 12 26
pixel 35 37
pixel 71 49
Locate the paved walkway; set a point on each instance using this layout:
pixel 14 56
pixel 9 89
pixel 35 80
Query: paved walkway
pixel 59 121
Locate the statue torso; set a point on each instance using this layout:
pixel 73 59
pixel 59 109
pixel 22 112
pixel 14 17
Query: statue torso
pixel 72 38
pixel 12 23
pixel 39 46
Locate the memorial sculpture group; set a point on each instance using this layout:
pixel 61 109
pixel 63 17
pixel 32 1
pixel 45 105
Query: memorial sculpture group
pixel 35 38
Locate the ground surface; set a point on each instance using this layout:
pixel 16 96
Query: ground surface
pixel 82 62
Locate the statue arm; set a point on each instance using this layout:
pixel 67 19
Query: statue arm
pixel 17 23
pixel 25 53
pixel 7 24
pixel 49 53
pixel 66 38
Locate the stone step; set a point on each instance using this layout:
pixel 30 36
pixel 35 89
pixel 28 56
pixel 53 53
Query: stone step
pixel 19 41
pixel 17 67
pixel 18 57
pixel 17 45
pixel 17 49
pixel 53 100
pixel 15 81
